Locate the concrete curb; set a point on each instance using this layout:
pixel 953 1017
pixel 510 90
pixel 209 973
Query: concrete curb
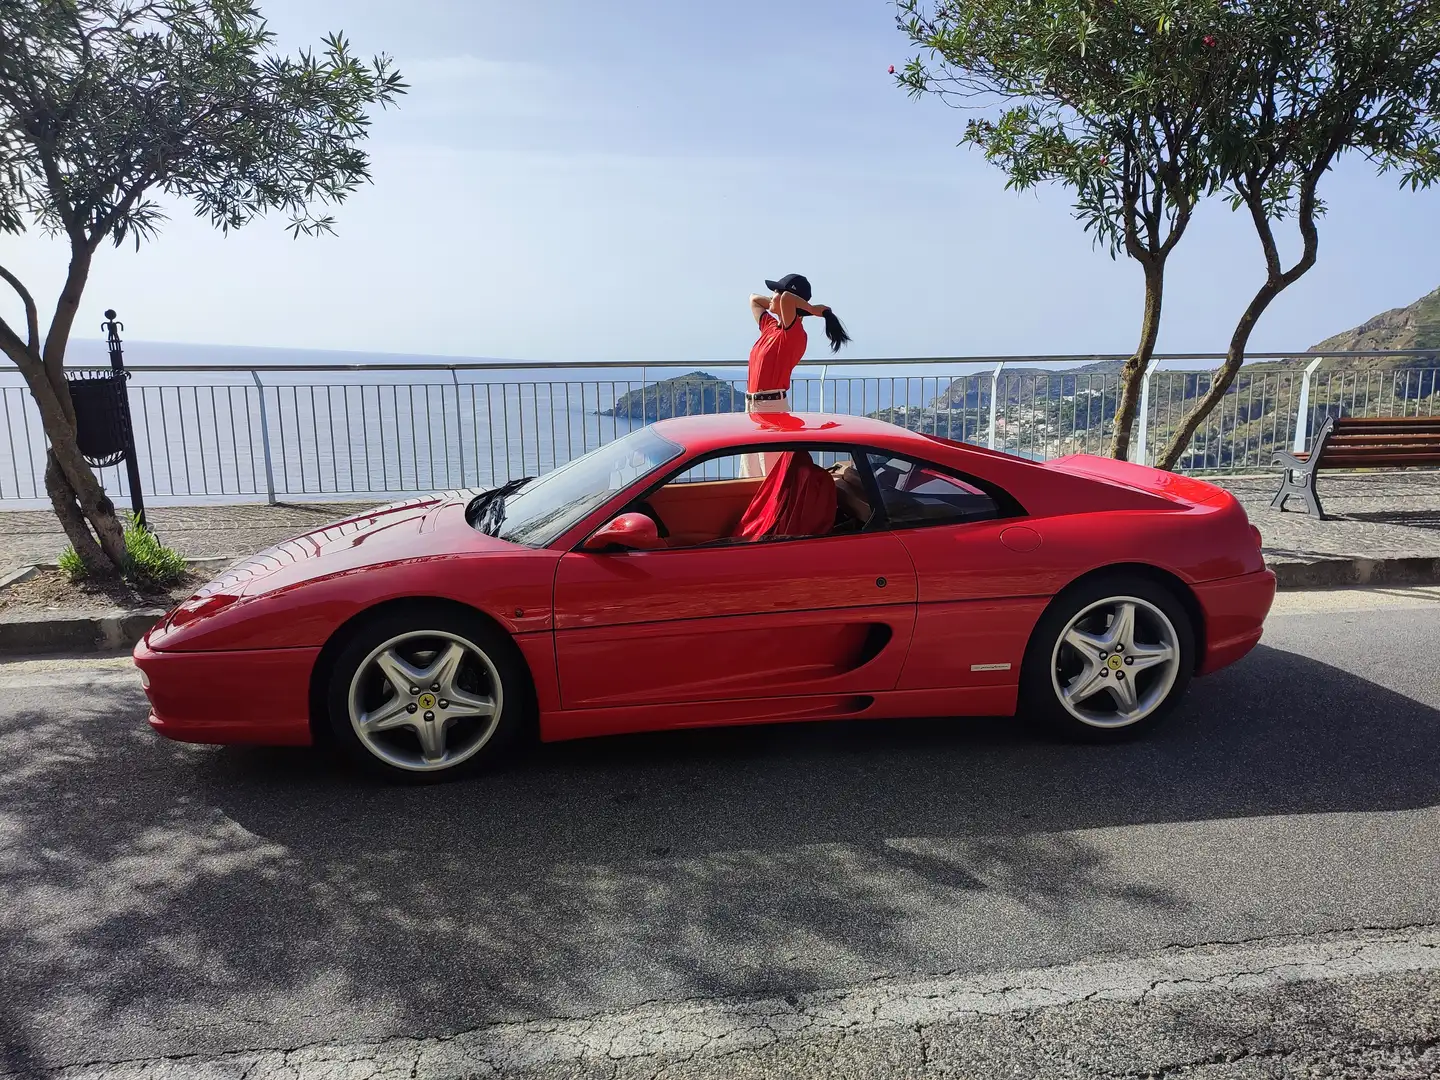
pixel 1342 573
pixel 117 629
pixel 102 632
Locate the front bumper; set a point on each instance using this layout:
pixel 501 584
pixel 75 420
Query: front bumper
pixel 1235 610
pixel 258 697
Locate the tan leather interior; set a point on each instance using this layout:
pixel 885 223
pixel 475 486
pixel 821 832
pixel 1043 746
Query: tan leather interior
pixel 703 510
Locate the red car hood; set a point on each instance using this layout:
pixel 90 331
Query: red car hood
pixel 416 528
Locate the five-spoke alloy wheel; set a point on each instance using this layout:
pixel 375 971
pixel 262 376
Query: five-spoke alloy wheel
pixel 424 694
pixel 1109 658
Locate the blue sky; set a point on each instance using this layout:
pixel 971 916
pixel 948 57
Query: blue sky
pixel 571 181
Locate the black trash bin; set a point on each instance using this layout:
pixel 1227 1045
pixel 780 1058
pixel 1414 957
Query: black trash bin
pixel 101 420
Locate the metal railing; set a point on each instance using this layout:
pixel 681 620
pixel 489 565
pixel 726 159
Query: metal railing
pixel 224 433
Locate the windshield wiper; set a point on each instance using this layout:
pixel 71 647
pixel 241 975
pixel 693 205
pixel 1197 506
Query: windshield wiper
pixel 490 502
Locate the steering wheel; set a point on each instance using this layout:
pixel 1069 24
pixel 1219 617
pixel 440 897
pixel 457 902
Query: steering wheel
pixel 645 508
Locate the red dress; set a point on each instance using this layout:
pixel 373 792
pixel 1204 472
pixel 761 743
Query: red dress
pixel 797 498
pixel 776 354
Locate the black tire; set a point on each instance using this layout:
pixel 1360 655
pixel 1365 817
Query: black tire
pixel 1040 698
pixel 492 668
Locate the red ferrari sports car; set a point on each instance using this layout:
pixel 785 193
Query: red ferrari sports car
pixel 666 580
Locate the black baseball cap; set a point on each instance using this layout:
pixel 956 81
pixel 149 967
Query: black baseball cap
pixel 792 283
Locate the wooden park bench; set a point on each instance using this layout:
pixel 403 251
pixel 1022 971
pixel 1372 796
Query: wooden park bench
pixel 1351 442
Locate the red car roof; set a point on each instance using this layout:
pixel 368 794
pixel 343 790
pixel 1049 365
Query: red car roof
pixel 713 431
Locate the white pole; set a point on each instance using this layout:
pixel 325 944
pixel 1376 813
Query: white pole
pixel 994 398
pixel 1302 413
pixel 265 441
pixel 1139 450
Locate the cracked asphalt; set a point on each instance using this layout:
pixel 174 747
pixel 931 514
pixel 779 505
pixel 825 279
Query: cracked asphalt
pixel 1254 891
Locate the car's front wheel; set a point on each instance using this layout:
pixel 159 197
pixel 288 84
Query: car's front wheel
pixel 1109 659
pixel 426 693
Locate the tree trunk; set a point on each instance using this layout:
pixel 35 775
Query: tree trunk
pixel 57 339
pixel 1276 282
pixel 1220 383
pixel 88 497
pixel 74 490
pixel 67 509
pixel 1132 376
pixel 79 500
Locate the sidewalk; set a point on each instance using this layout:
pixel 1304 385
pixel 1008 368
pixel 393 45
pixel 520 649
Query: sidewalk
pixel 1372 517
pixel 1382 517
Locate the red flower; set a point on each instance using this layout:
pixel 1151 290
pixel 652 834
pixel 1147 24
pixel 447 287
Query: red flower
pixel 1209 40
pixel 892 69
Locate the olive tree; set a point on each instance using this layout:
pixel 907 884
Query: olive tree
pixel 1111 99
pixel 109 106
pixel 1316 79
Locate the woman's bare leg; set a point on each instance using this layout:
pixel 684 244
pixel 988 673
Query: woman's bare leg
pixel 752 465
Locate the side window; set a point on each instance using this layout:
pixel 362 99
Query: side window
pixel 726 500
pixel 914 493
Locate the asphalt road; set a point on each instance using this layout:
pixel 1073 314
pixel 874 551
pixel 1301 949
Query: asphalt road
pixel 159 900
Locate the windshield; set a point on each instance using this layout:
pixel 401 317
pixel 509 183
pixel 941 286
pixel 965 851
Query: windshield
pixel 544 508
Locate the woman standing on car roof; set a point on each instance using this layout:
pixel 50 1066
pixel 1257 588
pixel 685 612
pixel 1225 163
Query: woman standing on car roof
pixel 781 347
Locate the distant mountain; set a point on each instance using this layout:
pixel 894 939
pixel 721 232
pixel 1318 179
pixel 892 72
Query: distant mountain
pixel 1017 383
pixel 685 395
pixel 1413 327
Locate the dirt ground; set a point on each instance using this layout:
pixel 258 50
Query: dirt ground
pixel 52 591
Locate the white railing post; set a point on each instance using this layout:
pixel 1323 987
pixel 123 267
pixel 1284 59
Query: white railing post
pixel 824 370
pixel 460 429
pixel 994 399
pixel 1302 413
pixel 1139 446
pixel 265 441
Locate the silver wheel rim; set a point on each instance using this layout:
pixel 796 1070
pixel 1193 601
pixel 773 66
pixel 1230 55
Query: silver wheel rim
pixel 1115 662
pixel 425 701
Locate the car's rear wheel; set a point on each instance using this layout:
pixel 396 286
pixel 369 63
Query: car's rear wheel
pixel 1109 659
pixel 426 694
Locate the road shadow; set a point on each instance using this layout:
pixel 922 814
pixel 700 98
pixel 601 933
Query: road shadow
pixel 146 881
pixel 1282 734
pixel 1414 519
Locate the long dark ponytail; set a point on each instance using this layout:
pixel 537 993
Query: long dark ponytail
pixel 835 331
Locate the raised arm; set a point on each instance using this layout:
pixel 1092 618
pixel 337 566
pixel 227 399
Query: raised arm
pixel 758 306
pixel 791 306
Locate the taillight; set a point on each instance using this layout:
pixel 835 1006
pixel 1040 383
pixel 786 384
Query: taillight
pixel 1255 535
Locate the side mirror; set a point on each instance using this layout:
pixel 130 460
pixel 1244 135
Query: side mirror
pixel 633 532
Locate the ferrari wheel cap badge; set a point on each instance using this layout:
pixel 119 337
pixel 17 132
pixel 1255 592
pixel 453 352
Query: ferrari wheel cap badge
pixel 427 701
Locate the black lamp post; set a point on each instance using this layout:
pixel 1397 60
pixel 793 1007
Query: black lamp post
pixel 112 330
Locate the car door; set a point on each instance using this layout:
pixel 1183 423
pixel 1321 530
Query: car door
pixel 979 573
pixel 827 615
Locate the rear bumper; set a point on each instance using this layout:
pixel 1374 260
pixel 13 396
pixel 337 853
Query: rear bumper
pixel 258 697
pixel 1235 610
